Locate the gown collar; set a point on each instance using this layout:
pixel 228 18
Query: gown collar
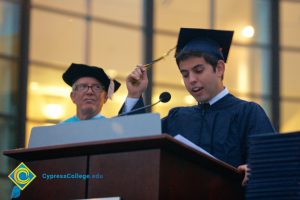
pixel 216 98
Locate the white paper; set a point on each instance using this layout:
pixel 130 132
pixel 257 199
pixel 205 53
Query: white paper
pixel 187 142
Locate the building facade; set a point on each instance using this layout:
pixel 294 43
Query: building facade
pixel 39 39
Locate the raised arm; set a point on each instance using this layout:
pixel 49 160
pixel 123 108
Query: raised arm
pixel 137 82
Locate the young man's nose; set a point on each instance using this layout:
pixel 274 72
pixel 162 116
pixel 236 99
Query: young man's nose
pixel 192 78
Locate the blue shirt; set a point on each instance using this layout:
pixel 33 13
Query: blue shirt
pixel 76 119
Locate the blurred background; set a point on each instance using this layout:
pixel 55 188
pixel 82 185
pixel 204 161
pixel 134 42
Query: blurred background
pixel 39 39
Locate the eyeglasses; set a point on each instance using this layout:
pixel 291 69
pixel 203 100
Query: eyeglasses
pixel 85 87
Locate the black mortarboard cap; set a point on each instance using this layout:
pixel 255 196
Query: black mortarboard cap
pixel 215 42
pixel 76 71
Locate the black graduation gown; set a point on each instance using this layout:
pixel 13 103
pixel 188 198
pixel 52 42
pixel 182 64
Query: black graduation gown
pixel 222 129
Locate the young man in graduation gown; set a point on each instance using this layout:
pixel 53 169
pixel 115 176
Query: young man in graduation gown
pixel 221 122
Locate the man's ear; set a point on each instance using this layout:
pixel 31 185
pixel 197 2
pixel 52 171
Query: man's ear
pixel 106 97
pixel 72 95
pixel 220 69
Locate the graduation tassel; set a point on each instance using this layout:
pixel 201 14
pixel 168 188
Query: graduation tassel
pixel 160 58
pixel 111 89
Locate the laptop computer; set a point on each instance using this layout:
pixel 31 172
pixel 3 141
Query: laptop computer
pixel 95 130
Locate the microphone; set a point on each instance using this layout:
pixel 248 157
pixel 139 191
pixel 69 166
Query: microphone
pixel 163 97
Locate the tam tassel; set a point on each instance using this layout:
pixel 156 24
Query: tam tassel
pixel 111 89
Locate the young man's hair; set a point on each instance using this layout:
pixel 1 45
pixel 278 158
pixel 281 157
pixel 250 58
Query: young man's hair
pixel 210 59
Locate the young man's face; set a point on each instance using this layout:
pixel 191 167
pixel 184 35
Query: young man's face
pixel 202 82
pixel 88 101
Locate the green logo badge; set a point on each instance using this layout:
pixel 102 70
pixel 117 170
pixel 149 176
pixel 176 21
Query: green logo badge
pixel 22 176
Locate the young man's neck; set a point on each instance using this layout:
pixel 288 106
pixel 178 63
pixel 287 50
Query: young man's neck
pixel 218 96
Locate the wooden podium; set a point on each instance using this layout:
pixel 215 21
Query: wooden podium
pixel 142 168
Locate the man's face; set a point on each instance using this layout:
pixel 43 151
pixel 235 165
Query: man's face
pixel 87 100
pixel 202 82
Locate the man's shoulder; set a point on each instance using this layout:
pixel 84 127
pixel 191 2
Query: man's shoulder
pixel 236 101
pixel 183 109
pixel 180 113
pixel 246 108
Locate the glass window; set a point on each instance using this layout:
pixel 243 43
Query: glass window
pixel 249 19
pixel 7 141
pixel 115 48
pixel 79 6
pixel 56 38
pixel 166 70
pixel 290 74
pixel 173 14
pixel 247 70
pixel 8 86
pixel 48 96
pixel 289 23
pixel 9 28
pixel 128 11
pixel 290 115
pixel 9 48
pixel 289 70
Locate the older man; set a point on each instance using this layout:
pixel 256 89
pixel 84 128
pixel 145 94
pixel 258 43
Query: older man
pixel 91 87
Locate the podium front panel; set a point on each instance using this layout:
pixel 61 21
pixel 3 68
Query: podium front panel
pixel 184 178
pixel 59 188
pixel 130 175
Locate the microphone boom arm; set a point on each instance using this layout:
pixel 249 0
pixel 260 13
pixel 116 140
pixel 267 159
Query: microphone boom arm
pixel 138 109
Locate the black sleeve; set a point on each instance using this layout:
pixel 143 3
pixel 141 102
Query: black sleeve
pixel 139 104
